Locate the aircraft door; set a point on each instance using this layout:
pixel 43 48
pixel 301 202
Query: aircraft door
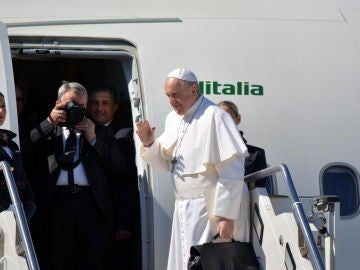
pixel 7 81
pixel 134 87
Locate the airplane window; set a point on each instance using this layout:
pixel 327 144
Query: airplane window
pixel 342 180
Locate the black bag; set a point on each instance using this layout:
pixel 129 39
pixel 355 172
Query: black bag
pixel 232 255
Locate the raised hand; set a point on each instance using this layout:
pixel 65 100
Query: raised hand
pixel 145 132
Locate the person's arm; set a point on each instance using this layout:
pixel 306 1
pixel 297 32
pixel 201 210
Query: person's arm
pixel 154 156
pixel 47 126
pixel 228 194
pixel 146 133
pixel 42 130
pixel 26 193
pixel 151 150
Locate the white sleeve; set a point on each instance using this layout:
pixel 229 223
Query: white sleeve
pixel 155 157
pixel 229 187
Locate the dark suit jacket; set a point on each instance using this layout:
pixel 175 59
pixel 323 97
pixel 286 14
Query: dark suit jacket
pixel 256 161
pixel 127 198
pixel 22 184
pixel 101 163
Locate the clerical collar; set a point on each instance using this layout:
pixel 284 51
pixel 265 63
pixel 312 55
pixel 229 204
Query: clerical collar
pixel 188 115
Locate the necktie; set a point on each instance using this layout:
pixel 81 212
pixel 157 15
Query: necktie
pixel 70 145
pixel 69 151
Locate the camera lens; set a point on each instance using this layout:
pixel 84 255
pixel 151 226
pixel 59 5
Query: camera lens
pixel 75 113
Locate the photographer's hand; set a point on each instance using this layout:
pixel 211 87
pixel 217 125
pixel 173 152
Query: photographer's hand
pixel 88 129
pixel 57 114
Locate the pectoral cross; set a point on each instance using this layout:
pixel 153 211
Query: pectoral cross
pixel 173 162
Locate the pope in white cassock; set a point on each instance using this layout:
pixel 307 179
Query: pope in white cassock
pixel 204 152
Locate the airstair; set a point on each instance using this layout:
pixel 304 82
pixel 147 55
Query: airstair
pixel 283 236
pixel 16 247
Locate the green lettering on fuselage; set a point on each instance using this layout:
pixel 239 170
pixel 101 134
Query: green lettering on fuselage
pixel 240 88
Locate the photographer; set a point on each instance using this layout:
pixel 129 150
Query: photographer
pixel 76 161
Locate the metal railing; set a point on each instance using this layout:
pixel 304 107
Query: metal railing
pixel 297 206
pixel 20 217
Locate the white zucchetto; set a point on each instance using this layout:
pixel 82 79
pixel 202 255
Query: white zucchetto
pixel 183 74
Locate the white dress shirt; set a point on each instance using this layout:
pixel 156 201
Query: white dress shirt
pixel 80 177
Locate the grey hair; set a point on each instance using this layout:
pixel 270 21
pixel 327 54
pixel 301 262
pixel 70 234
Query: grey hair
pixel 71 86
pixel 190 83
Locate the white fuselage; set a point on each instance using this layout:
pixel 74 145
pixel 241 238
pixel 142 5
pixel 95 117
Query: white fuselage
pixel 292 69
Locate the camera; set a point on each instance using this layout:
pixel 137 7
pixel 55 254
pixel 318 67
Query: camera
pixel 75 113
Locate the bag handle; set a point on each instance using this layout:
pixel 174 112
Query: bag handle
pixel 217 236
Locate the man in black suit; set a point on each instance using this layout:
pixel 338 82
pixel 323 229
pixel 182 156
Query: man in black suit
pixel 102 109
pixel 76 161
pixel 256 161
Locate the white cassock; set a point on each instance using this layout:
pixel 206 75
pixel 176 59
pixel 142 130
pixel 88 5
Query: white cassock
pixel 208 176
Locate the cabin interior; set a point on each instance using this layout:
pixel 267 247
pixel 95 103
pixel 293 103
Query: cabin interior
pixel 40 71
pixel 41 77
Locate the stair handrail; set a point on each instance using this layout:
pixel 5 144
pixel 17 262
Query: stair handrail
pixel 20 217
pixel 297 206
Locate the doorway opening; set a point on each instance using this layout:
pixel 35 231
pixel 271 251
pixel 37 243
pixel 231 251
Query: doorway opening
pixel 41 65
